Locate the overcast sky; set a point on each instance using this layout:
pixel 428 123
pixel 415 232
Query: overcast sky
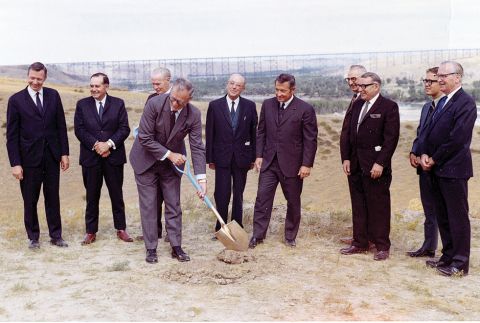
pixel 55 31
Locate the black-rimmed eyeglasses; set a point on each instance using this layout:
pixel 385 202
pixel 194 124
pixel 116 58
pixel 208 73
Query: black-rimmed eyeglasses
pixel 428 81
pixel 364 86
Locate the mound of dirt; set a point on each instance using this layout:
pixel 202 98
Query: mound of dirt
pixel 236 257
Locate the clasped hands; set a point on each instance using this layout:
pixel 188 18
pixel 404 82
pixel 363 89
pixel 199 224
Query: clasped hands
pixel 102 148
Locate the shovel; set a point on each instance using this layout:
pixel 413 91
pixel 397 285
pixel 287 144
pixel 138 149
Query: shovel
pixel 231 235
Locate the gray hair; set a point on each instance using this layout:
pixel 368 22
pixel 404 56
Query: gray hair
pixel 375 78
pixel 359 68
pixel 458 68
pixel 161 72
pixel 182 84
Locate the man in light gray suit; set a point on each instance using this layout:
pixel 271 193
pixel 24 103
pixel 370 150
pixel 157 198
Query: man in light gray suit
pixel 166 121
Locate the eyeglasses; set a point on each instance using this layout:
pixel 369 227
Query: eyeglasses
pixel 429 82
pixel 442 76
pixel 364 86
pixel 179 102
pixel 348 79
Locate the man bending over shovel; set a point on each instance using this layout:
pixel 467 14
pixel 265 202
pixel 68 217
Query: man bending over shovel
pixel 166 121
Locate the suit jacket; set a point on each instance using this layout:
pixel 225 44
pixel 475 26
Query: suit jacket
pixel 155 139
pixel 89 129
pixel 293 140
pixel 447 138
pixel 222 142
pixel 379 128
pixel 29 131
pixel 421 126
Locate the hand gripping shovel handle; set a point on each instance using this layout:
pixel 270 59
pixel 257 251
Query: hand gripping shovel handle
pixel 198 188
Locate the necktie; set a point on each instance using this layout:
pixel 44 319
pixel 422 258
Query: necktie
pixel 100 111
pixel 439 107
pixel 172 120
pixel 39 103
pixel 232 111
pixel 362 116
pixel 281 112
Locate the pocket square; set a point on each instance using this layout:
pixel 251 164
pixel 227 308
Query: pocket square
pixel 375 115
pixel 247 143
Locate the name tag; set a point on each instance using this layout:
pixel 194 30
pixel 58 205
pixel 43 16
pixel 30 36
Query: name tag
pixel 375 115
pixel 247 143
pixel 378 148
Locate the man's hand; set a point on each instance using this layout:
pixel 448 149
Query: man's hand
pixel 376 171
pixel 17 172
pixel 106 154
pixel 64 163
pixel 304 172
pixel 346 167
pixel 426 162
pixel 101 147
pixel 201 194
pixel 211 165
pixel 177 159
pixel 258 164
pixel 414 161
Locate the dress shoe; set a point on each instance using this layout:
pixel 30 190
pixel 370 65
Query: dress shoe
pixel 290 243
pixel 371 245
pixel 89 238
pixel 33 244
pixel 421 253
pixel 436 263
pixel 123 235
pixel 214 238
pixel 352 250
pixel 381 255
pixel 178 253
pixel 151 256
pixel 346 240
pixel 59 242
pixel 452 271
pixel 253 242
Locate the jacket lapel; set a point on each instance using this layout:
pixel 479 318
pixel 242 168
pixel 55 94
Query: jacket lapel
pixel 240 116
pixel 93 110
pixel 290 111
pixel 182 118
pixel 29 102
pixel 226 112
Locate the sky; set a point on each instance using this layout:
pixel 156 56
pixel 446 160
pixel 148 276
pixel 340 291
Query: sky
pixel 58 31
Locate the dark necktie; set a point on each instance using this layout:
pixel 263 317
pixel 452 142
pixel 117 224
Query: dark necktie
pixel 281 112
pixel 172 120
pixel 100 111
pixel 232 111
pixel 364 113
pixel 439 107
pixel 39 103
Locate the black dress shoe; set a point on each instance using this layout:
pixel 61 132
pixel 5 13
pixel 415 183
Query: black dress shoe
pixel 34 244
pixel 352 250
pixel 421 253
pixel 253 242
pixel 452 271
pixel 290 243
pixel 59 243
pixel 436 263
pixel 178 253
pixel 151 256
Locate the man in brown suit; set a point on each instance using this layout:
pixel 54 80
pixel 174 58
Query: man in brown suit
pixel 372 134
pixel 167 119
pixel 286 146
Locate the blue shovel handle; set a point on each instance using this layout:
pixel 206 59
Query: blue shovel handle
pixel 194 182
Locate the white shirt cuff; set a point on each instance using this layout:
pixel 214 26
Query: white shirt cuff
pixel 165 156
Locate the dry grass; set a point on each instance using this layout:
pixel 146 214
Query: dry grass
pixel 110 280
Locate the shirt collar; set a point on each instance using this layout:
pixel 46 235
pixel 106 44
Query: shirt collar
pixel 97 102
pixel 372 101
pixel 33 93
pixel 438 99
pixel 229 101
pixel 449 96
pixel 287 103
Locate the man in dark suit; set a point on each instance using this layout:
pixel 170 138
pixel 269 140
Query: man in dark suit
pixel 101 126
pixel 160 78
pixel 37 144
pixel 230 143
pixel 373 132
pixel 444 147
pixel 286 146
pixel 167 119
pixel 432 89
pixel 354 73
